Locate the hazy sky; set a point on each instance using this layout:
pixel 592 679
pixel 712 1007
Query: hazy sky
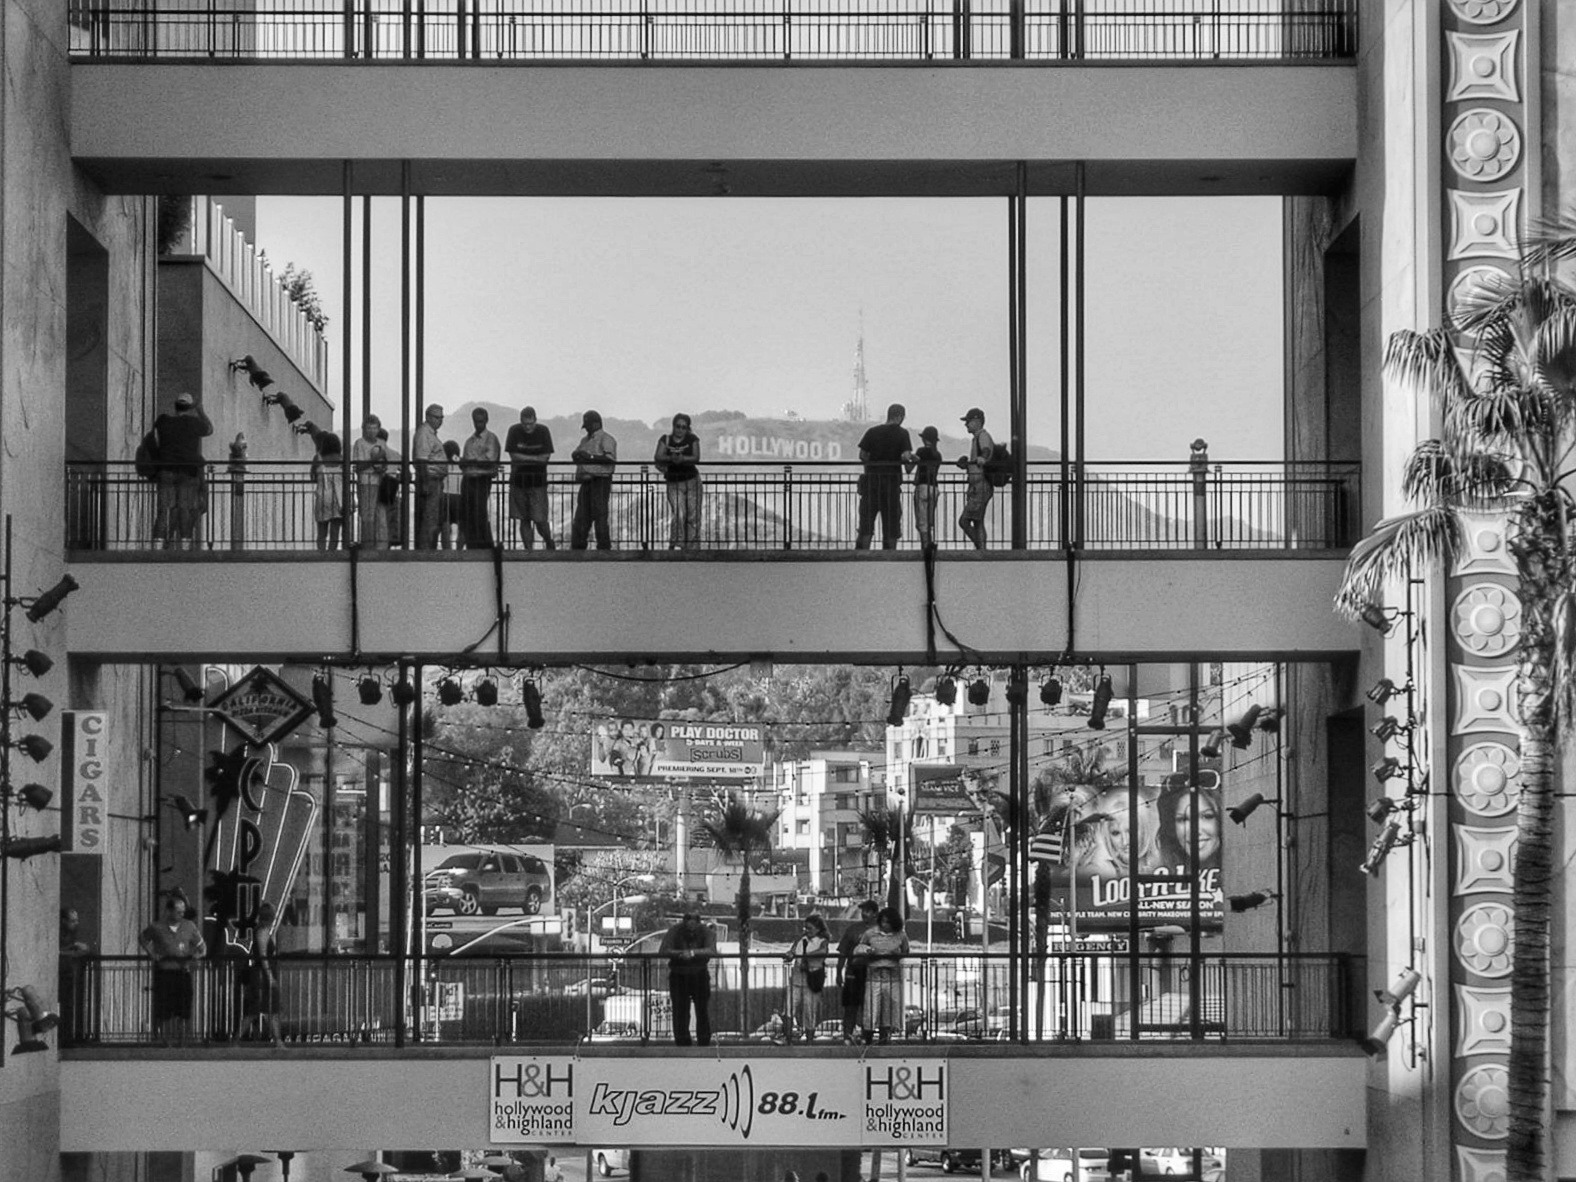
pixel 641 308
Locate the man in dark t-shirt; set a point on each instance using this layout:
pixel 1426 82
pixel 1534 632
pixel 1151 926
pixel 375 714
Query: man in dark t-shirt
pixel 180 501
pixel 884 449
pixel 851 971
pixel 530 445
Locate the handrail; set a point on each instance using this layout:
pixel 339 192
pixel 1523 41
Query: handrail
pixel 544 998
pixel 264 505
pixel 776 31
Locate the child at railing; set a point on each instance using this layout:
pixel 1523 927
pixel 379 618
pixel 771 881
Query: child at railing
pixel 451 528
pixel 328 507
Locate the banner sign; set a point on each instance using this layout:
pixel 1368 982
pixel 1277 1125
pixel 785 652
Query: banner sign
pixel 939 791
pixel 1099 852
pixel 84 823
pixel 642 749
pixel 711 1102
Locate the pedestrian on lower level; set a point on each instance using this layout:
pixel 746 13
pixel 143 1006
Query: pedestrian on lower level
pixel 182 487
pixel 175 943
pixel 689 946
pixel 806 961
pixel 530 446
pixel 885 946
pixel 851 969
pixel 328 502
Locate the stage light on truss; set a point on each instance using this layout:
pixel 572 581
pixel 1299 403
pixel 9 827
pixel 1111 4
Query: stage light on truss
pixel 486 692
pixel 897 708
pixel 449 692
pixel 1017 688
pixel 403 692
pixel 531 699
pixel 323 701
pixel 1051 691
pixel 35 706
pixel 1387 769
pixel 190 689
pixel 41 606
pixel 1241 731
pixel 1250 900
pixel 1101 702
pixel 946 689
pixel 1401 988
pixel 1380 619
pixel 1387 840
pixel 1213 745
pixel 34 662
pixel 1380 809
pixel 1384 689
pixel 370 690
pixel 1387 728
pixel 979 692
pixel 35 796
pixel 254 372
pixel 1250 805
pixel 191 816
pixel 41 1016
pixel 35 747
pixel 23 848
pixel 1379 1039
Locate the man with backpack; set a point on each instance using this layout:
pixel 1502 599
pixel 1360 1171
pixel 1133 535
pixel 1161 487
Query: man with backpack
pixel 980 489
pixel 178 438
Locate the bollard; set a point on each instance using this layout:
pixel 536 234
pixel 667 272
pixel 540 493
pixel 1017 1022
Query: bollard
pixel 1198 468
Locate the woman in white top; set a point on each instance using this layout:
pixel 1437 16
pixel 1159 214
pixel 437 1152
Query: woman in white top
pixel 806 978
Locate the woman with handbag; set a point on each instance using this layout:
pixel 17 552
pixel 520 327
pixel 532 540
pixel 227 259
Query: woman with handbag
pixel 806 977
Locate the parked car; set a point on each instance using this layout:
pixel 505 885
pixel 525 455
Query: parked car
pixel 609 1161
pixel 595 986
pixel 1058 1165
pixel 475 882
pixel 953 1161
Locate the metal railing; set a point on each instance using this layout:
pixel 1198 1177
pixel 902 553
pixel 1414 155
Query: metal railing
pixel 738 30
pixel 563 998
pixel 269 505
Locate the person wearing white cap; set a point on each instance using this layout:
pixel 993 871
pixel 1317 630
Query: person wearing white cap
pixel 972 520
pixel 181 486
pixel 594 457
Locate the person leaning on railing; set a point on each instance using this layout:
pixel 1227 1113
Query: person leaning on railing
pixel 180 503
pixel 432 466
pixel 595 457
pixel 370 460
pixel 678 453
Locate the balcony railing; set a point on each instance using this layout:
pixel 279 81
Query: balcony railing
pixel 798 507
pixel 700 30
pixel 552 998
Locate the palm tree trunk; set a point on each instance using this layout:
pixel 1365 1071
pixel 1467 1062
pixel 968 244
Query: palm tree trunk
pixel 1527 1072
pixel 1042 938
pixel 744 945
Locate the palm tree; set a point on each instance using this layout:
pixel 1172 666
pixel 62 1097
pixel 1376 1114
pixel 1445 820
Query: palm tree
pixel 1509 426
pixel 888 831
pixel 741 832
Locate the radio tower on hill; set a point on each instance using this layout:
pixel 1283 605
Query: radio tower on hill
pixel 857 408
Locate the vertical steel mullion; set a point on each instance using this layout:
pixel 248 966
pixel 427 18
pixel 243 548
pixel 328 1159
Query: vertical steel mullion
pixel 1064 508
pixel 347 314
pixel 409 406
pixel 1079 457
pixel 1020 408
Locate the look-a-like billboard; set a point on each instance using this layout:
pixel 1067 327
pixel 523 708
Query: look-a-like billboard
pixel 1177 836
pixel 643 749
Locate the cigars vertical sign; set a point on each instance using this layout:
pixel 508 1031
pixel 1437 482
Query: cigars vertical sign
pixel 717 1102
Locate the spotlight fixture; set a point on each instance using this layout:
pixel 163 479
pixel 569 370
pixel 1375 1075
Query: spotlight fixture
pixel 35 747
pixel 1103 693
pixel 190 689
pixel 979 692
pixel 1051 691
pixel 1017 688
pixel 27 1040
pixel 42 605
pixel 35 796
pixel 1400 989
pixel 370 690
pixel 1212 746
pixel 1387 728
pixel 449 692
pixel 43 1018
pixel 1380 809
pixel 323 701
pixel 34 662
pixel 191 816
pixel 1250 900
pixel 1270 719
pixel 403 692
pixel 1387 840
pixel 1386 769
pixel 946 689
pixel 1384 689
pixel 1249 806
pixel 1376 1042
pixel 531 699
pixel 1162 935
pixel 35 706
pixel 486 692
pixel 23 848
pixel 1380 619
pixel 1241 731
pixel 898 707
pixel 255 373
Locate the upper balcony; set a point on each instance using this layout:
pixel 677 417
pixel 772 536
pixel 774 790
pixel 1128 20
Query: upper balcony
pixel 898 98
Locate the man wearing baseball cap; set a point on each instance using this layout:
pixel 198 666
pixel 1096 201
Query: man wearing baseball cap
pixel 594 457
pixel 926 464
pixel 972 519
pixel 180 501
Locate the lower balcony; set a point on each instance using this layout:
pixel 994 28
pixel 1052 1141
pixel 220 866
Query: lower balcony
pixel 1238 1050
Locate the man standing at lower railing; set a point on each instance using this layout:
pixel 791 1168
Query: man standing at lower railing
pixel 432 466
pixel 180 503
pixel 689 947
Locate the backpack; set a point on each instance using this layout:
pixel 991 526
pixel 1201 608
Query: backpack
pixel 998 469
pixel 146 461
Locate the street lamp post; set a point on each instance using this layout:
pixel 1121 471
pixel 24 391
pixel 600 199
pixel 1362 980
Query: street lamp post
pixel 591 913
